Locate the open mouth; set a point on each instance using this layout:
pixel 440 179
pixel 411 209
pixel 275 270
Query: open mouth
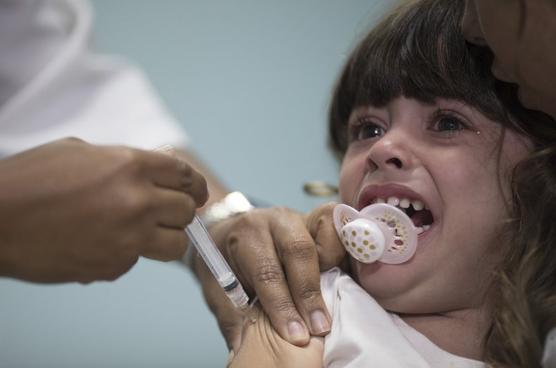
pixel 415 209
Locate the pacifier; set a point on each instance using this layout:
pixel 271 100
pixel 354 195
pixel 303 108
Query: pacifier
pixel 380 232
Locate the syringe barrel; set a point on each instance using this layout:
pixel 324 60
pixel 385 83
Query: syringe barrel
pixel 216 263
pixel 209 252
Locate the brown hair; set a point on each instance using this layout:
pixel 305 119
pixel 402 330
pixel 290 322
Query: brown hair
pixel 418 51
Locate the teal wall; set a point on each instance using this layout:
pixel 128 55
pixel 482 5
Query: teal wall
pixel 250 81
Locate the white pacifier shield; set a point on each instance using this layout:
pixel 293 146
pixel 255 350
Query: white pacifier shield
pixel 404 235
pixel 364 240
pixel 379 232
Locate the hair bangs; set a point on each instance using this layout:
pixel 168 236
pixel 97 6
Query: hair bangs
pixel 417 52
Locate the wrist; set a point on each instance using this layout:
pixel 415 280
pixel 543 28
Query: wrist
pixel 232 204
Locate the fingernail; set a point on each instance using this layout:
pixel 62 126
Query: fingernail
pixel 297 332
pixel 319 322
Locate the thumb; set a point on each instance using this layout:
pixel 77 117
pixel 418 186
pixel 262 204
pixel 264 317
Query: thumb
pixel 321 227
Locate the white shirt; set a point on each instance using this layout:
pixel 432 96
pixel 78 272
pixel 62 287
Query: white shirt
pixel 549 354
pixel 52 85
pixel 363 334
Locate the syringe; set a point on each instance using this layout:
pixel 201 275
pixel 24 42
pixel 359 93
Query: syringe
pixel 217 264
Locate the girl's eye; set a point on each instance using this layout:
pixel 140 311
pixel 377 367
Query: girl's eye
pixel 365 129
pixel 448 124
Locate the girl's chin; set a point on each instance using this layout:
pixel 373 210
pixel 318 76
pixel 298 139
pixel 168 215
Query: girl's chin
pixel 381 279
pixel 384 282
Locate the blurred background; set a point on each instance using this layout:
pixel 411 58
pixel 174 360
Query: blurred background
pixel 250 81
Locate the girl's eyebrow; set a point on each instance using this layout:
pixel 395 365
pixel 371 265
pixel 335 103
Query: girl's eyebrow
pixel 462 106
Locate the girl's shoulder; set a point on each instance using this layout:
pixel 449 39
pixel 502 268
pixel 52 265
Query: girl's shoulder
pixel 364 333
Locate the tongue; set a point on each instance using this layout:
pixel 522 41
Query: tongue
pixel 421 218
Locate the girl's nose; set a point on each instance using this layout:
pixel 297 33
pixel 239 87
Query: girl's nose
pixel 391 152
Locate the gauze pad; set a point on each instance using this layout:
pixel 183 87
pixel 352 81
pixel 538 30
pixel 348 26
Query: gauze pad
pixel 380 232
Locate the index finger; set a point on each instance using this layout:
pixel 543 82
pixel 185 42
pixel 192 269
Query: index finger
pixel 299 256
pixel 170 171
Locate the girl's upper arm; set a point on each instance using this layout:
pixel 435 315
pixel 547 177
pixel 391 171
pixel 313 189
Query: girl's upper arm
pixel 262 346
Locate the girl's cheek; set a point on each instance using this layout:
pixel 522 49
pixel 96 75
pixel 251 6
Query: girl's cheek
pixel 349 179
pixel 343 184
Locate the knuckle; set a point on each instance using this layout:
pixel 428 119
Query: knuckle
pixel 327 209
pixel 242 226
pixel 284 305
pixel 308 293
pixel 232 245
pixel 269 274
pixel 301 250
pixel 248 219
pixel 281 212
pixel 136 201
pixel 259 218
pixel 233 248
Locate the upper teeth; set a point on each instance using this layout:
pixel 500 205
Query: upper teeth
pixel 402 202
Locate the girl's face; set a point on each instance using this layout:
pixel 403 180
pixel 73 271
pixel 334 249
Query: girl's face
pixel 454 161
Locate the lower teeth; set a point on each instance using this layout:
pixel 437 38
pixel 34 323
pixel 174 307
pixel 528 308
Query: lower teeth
pixel 422 229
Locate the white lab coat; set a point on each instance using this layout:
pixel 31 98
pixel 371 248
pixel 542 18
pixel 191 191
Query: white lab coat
pixel 53 85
